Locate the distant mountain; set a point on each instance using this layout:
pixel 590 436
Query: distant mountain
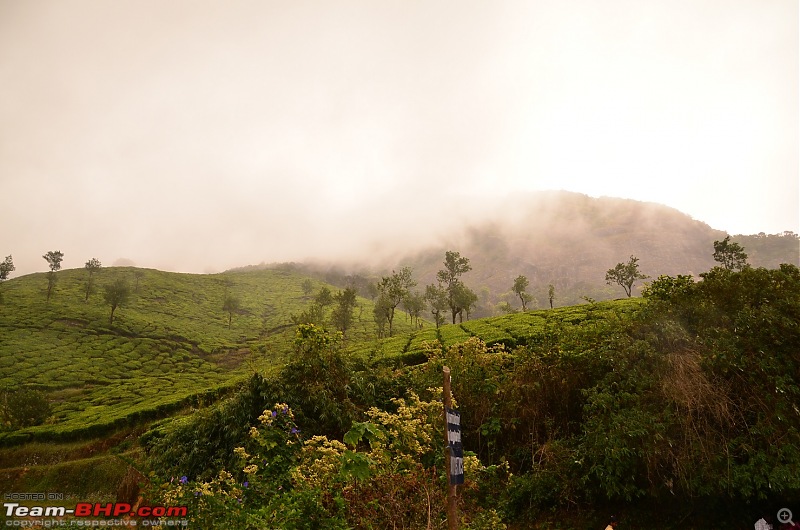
pixel 569 240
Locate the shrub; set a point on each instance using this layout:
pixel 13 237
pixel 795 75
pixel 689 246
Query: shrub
pixel 24 408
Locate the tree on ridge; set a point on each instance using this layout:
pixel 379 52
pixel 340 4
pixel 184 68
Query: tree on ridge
pixel 92 266
pixel 53 258
pixel 625 274
pixel 730 254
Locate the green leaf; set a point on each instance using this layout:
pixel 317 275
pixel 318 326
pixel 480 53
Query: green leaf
pixel 356 465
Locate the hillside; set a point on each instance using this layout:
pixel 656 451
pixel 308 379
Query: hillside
pixel 169 347
pixel 107 383
pixel 678 411
pixel 568 240
pixel 656 409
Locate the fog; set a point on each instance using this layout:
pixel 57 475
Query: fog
pixel 199 136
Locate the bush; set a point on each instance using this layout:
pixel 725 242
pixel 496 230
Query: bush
pixel 24 408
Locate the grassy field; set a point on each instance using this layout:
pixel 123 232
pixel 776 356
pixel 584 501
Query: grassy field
pixel 169 347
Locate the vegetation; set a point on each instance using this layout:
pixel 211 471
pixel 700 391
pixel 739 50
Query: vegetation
pixel 53 259
pixel 436 297
pixel 414 304
pixel 665 408
pixel 520 284
pixel 324 297
pixel 770 250
pixel 116 294
pixel 344 305
pixel 231 305
pixel 92 266
pixel 730 254
pixel 6 268
pixel 393 290
pixel 23 408
pixel 170 348
pixel 459 297
pixel 678 409
pixel 625 275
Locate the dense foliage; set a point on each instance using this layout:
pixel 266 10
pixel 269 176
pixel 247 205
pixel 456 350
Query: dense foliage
pixel 686 410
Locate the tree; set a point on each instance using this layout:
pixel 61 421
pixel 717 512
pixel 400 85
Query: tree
pixel 413 304
pixel 53 258
pixel 324 297
pixel 465 299
pixel 6 267
pixel 505 308
pixel 307 286
pixel 450 278
pixel 231 305
pixel 314 314
pixel 137 275
pixel 551 294
pixel 520 284
pixel 393 289
pixel 731 255
pixel 344 304
pixel 436 297
pixel 117 294
pixel 381 313
pixel 372 290
pixel 625 274
pixel 318 379
pixel 92 266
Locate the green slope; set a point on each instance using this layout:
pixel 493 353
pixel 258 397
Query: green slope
pixel 168 347
pixel 512 330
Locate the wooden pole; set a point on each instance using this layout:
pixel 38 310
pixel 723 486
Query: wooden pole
pixel 452 514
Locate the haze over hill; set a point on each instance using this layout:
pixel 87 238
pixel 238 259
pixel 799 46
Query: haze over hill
pixel 569 240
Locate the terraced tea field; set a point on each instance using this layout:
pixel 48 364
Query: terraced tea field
pixel 169 347
pixel 516 329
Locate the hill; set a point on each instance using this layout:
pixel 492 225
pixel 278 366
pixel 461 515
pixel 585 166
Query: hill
pixel 665 410
pixel 568 240
pixel 169 347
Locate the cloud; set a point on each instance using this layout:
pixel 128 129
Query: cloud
pixel 196 135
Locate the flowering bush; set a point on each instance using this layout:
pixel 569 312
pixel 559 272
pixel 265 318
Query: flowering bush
pixel 388 469
pixel 209 503
pixel 228 500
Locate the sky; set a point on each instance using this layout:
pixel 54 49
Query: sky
pixel 200 135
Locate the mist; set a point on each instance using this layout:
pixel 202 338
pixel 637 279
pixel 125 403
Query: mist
pixel 201 136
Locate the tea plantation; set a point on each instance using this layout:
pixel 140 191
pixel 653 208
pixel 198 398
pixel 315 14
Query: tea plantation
pixel 169 347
